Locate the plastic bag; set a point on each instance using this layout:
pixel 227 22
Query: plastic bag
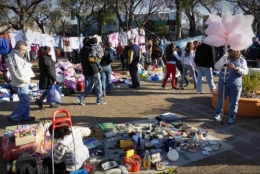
pixel 54 94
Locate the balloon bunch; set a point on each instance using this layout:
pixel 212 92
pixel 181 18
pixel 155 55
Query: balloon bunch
pixel 235 31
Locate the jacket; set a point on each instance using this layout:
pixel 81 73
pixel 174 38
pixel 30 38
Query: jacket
pixel 47 72
pixel 205 56
pixel 106 60
pixel 18 68
pixel 89 69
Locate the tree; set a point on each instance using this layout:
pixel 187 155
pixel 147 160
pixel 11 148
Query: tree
pixel 80 9
pixel 42 15
pixel 127 10
pixel 250 7
pixel 23 11
pixel 159 30
pixel 103 17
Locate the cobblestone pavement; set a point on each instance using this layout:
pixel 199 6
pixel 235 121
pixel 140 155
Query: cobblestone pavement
pixel 195 109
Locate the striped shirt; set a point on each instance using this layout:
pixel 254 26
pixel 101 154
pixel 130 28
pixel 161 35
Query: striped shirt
pixel 65 147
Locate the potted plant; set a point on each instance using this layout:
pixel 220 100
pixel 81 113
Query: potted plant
pixel 249 103
pixel 251 84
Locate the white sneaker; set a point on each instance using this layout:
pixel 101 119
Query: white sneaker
pixel 217 116
pixel 202 92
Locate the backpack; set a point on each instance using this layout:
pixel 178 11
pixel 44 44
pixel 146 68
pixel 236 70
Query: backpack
pixel 30 165
pixel 4 46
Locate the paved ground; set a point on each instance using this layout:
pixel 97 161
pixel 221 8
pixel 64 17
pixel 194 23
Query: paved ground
pixel 132 104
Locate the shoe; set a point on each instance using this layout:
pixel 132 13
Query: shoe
pixel 80 101
pixel 217 116
pixel 53 105
pixel 174 88
pixel 181 88
pixel 102 102
pixel 38 103
pixel 12 121
pixel 29 119
pixel 131 86
pixel 202 92
pixel 163 87
pixel 231 120
pixel 187 84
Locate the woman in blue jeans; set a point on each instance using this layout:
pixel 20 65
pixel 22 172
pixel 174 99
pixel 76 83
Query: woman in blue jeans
pixel 188 64
pixel 106 72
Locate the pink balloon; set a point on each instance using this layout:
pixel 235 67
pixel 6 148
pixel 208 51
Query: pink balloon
pixel 216 28
pixel 237 21
pixel 236 38
pixel 227 20
pixel 249 19
pixel 242 46
pixel 214 41
pixel 212 18
pixel 247 31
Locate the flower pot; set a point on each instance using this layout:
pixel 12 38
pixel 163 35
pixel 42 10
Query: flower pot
pixel 247 107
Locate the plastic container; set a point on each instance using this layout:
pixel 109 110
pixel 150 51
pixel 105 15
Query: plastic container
pixel 133 163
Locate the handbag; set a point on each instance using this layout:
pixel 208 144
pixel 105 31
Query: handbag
pixel 54 94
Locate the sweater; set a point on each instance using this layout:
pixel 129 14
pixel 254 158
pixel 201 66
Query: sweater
pixel 65 148
pixel 18 68
pixel 205 56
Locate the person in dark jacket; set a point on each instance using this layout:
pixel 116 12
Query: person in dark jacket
pixel 134 55
pixel 106 71
pixel 205 61
pixel 91 74
pixel 47 75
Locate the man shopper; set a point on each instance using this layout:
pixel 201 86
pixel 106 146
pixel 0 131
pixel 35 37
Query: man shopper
pixel 236 68
pixel 91 73
pixel 205 60
pixel 134 55
pixel 21 73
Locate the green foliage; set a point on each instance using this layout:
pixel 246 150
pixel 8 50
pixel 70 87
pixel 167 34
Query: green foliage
pixel 159 30
pixel 250 84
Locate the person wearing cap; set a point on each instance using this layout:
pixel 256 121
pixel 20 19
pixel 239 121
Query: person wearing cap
pixel 134 55
pixel 236 68
pixel 205 60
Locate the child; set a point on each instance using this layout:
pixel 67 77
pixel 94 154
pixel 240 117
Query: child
pixel 4 68
pixel 96 53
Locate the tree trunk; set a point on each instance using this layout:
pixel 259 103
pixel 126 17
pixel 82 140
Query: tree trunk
pixel 178 19
pixel 192 26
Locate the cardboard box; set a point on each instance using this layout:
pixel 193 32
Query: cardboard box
pixel 24 140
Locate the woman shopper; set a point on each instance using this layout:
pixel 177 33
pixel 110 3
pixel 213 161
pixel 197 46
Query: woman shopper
pixel 179 66
pixel 188 64
pixel 171 58
pixel 106 72
pixel 47 75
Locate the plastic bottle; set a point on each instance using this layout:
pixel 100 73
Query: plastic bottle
pixel 147 161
